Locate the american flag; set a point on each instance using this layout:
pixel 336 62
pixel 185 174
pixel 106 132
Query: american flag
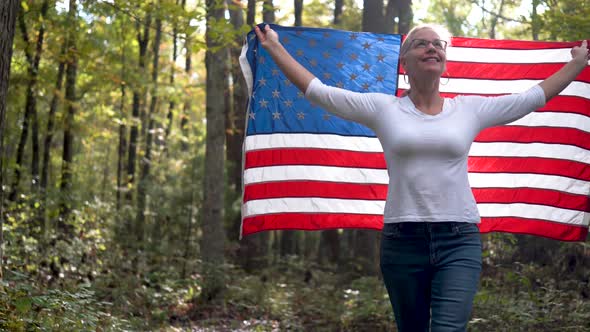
pixel 309 170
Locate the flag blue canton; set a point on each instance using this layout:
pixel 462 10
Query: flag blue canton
pixel 357 61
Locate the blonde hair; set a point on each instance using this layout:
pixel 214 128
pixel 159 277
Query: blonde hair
pixel 442 32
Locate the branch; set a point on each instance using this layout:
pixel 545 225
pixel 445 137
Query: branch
pixel 497 15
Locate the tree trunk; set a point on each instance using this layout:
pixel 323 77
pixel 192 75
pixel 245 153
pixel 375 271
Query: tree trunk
pixel 405 16
pixel 288 242
pixel 63 226
pixel 8 14
pixel 253 250
pixel 338 11
pixel 268 12
pixel 372 15
pixel 171 105
pixel 35 123
pixel 535 20
pixel 251 14
pixel 289 238
pixel 494 20
pixel 122 132
pixel 50 128
pixel 366 243
pixel 142 40
pixel 186 109
pixel 235 119
pixel 30 114
pixel 147 159
pixel 213 237
pixel 298 11
pixel 329 246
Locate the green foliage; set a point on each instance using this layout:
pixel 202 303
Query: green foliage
pixel 320 13
pixel 566 19
pixel 452 14
pixel 28 307
pixel 516 298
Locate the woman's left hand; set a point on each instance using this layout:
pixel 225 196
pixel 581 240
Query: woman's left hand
pixel 581 52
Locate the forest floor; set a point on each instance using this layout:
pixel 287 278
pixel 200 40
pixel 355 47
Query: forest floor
pixel 291 294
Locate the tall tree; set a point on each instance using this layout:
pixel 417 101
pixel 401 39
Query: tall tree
pixel 143 31
pixel 213 238
pixel 373 19
pixel 298 12
pixel 330 239
pixel 187 101
pixel 68 140
pixel 8 13
pixel 146 161
pixel 535 23
pixel 186 109
pixel 235 118
pixel 366 242
pixel 382 19
pixel 50 127
pixel 338 5
pixel 251 13
pixel 172 104
pixel 405 15
pixel 30 114
pixel 268 11
pixel 122 130
pixel 253 250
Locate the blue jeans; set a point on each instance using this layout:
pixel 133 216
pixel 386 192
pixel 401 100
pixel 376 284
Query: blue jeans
pixel 431 268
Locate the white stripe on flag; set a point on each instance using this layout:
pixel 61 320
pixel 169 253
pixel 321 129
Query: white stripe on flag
pixel 315 173
pixel 533 211
pixel 379 176
pixel 311 141
pixel 313 205
pixel 509 180
pixel 541 150
pixel 333 205
pixel 366 144
pixel 464 85
pixel 554 119
pixel 493 55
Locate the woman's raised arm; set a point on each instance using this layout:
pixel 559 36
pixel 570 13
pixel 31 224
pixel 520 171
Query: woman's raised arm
pixel 295 72
pixel 555 83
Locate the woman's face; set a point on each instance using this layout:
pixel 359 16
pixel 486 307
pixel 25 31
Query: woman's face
pixel 426 55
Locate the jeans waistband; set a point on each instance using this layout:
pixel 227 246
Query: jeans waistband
pixel 427 227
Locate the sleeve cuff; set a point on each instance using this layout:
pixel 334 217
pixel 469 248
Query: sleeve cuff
pixel 309 91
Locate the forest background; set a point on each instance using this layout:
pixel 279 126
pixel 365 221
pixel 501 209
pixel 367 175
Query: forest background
pixel 120 169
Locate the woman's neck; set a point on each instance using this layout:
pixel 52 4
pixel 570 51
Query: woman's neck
pixel 426 97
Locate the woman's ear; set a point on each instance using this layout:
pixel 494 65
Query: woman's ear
pixel 402 62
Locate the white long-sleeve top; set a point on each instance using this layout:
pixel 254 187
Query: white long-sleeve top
pixel 426 154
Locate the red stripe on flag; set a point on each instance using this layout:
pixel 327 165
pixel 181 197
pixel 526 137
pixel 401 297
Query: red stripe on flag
pixel 526 134
pixel 374 160
pixel 303 221
pixel 505 71
pixel 315 189
pixel 532 196
pixel 511 44
pixel 559 104
pixel 567 104
pixel 300 221
pixel 379 192
pixel 297 156
pixel 536 227
pixel 531 165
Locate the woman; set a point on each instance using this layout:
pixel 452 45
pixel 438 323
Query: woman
pixel 430 248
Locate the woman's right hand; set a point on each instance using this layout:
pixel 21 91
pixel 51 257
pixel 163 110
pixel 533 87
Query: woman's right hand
pixel 268 37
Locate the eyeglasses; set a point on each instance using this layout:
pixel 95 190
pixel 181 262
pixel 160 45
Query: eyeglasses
pixel 423 43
